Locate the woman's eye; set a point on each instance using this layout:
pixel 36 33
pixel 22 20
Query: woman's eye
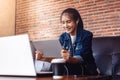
pixel 69 21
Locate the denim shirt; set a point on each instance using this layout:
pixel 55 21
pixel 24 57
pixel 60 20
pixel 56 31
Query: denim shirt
pixel 82 48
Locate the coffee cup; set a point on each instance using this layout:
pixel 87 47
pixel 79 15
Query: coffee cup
pixel 58 68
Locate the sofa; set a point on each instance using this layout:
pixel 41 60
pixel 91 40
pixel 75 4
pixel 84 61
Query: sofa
pixel 106 51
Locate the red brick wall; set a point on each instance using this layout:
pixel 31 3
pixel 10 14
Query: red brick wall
pixel 40 18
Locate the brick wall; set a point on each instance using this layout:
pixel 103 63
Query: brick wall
pixel 40 18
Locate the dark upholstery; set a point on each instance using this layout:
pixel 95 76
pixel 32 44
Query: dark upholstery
pixel 106 51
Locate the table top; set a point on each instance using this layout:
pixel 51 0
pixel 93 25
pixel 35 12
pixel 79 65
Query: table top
pixel 70 77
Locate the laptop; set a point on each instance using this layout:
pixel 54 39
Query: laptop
pixel 16 57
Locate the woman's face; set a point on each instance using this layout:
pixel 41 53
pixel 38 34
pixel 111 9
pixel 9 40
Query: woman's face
pixel 69 24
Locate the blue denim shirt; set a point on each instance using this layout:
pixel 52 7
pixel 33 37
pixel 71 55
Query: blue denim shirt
pixel 81 49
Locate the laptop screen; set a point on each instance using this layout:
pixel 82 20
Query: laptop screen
pixel 16 56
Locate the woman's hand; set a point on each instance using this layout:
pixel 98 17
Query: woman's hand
pixel 38 55
pixel 65 54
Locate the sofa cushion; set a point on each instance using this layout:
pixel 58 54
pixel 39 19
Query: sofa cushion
pixel 102 45
pixel 104 64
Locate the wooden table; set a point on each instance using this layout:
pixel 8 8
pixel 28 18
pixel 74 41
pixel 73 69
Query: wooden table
pixel 65 78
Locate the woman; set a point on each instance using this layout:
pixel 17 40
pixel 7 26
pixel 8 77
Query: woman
pixel 77 44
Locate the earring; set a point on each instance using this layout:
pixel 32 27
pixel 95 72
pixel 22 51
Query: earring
pixel 77 22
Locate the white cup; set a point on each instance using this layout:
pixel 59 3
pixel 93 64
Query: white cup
pixel 58 68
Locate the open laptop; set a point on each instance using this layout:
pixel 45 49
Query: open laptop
pixel 16 57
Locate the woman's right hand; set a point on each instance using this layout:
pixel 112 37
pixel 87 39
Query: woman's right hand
pixel 65 54
pixel 38 55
